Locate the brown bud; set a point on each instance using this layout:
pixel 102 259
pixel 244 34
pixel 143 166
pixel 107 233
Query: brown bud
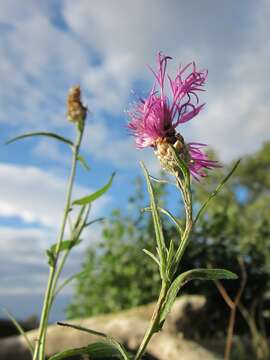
pixel 75 109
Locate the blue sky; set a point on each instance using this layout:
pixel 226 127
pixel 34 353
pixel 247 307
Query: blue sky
pixel 104 46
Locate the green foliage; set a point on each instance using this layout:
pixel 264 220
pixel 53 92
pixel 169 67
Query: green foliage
pixel 236 223
pixel 20 330
pixel 110 347
pixel 120 275
pixel 41 133
pixel 161 247
pixel 98 350
pixel 90 198
pixel 65 245
pixel 83 162
pixel 195 274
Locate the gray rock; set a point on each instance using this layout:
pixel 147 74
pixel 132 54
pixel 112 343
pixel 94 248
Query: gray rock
pixel 128 327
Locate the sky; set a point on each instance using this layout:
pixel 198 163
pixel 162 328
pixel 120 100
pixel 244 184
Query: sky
pixel 105 46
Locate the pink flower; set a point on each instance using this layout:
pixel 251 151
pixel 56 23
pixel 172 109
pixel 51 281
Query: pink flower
pixel 157 117
pixel 199 161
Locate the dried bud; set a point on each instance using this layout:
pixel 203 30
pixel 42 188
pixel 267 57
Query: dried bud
pixel 76 112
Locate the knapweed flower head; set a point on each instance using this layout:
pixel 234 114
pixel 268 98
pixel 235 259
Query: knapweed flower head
pixel 154 120
pixel 76 111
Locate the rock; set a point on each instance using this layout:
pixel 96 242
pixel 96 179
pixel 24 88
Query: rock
pixel 186 311
pixel 128 327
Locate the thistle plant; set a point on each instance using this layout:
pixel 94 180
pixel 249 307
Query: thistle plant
pixel 153 122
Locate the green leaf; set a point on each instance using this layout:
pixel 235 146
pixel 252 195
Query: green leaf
pixel 65 245
pixel 216 191
pixel 161 181
pixel 152 256
pixel 89 223
pixel 83 162
pixel 41 133
pixel 113 344
pixel 156 220
pixel 208 274
pixel 195 274
pixel 174 220
pixel 181 164
pixel 170 256
pixel 69 280
pixel 90 198
pixel 98 350
pixel 20 329
pixel 170 215
pixel 51 257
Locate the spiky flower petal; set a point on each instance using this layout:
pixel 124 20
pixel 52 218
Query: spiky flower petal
pixel 154 120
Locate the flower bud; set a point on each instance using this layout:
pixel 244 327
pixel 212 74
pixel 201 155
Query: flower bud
pixel 165 154
pixel 76 112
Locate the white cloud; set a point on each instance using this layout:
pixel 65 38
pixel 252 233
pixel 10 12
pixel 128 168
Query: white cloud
pixel 48 46
pixel 106 146
pixel 36 195
pixel 50 151
pixel 105 47
pixel 109 83
pixel 39 62
pixel 23 261
pixel 236 118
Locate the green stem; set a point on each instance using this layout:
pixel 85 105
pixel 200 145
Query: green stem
pixel 64 258
pixel 40 346
pixel 154 325
pixel 186 194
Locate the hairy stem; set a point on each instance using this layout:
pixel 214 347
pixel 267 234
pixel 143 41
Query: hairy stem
pixel 40 346
pixel 187 199
pixel 154 323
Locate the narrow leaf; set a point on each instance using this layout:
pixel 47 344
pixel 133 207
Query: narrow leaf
pixel 161 181
pixel 89 223
pixel 156 219
pixel 174 219
pixel 208 274
pixel 216 191
pixel 41 133
pixel 98 350
pixel 181 164
pixel 20 330
pixel 51 258
pixel 90 198
pixel 195 274
pixel 152 256
pixel 170 254
pixel 69 280
pixel 83 162
pixel 84 329
pixel 110 341
pixel 80 217
pixel 65 245
pixel 170 215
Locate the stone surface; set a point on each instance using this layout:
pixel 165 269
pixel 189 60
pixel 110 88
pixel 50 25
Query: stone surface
pixel 128 327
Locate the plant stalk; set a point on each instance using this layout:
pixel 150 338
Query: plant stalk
pixel 154 323
pixel 63 261
pixel 40 346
